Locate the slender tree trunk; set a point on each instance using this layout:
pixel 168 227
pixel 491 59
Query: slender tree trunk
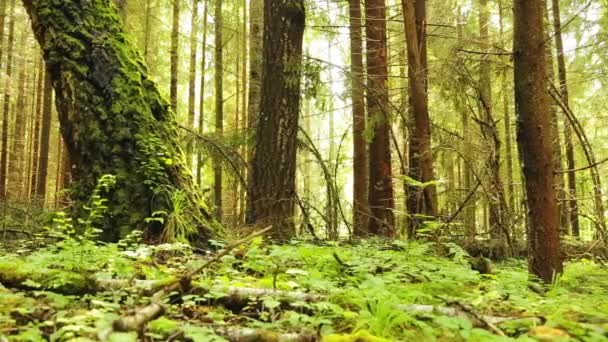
pixel 380 195
pixel 3 4
pixel 192 77
pixel 219 104
pixel 201 113
pixel 535 138
pixel 495 196
pixel 360 164
pixel 147 30
pixel 332 197
pixel 7 104
pixel 175 53
pixel 17 151
pixel 243 124
pixel 421 201
pixel 507 122
pixel 563 84
pixel 45 138
pixel 115 123
pixel 272 190
pixel 36 131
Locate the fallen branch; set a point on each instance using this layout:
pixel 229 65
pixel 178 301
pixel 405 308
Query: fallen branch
pixel 155 309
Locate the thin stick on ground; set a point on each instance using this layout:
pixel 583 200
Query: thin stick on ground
pixel 156 308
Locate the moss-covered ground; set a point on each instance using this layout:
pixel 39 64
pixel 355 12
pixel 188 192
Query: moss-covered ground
pixel 369 291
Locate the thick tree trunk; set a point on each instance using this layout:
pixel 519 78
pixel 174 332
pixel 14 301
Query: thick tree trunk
pixel 360 168
pixel 421 201
pixel 380 195
pixel 175 54
pixel 272 190
pixel 563 84
pixel 535 138
pixel 219 105
pixel 114 121
pixel 6 110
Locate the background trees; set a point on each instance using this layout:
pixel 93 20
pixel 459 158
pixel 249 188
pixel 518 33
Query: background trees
pixel 407 125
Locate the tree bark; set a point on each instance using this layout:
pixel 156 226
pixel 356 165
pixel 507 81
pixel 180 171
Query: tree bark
pixel 45 138
pixel 360 168
pixel 192 77
pixel 256 42
pixel 380 196
pixel 2 20
pixel 17 168
pixel 272 190
pixel 219 105
pixel 535 138
pixel 201 114
pixel 563 85
pixel 7 104
pixel 175 54
pixel 114 120
pixel 422 202
pixel 495 195
pixel 36 130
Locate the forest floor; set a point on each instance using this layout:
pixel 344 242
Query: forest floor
pixel 76 290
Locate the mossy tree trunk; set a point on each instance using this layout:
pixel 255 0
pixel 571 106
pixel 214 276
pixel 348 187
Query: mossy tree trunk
pixel 114 120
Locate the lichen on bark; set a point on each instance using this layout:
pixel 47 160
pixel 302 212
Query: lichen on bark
pixel 113 118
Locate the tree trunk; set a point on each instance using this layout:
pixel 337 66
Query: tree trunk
pixel 17 168
pixel 45 138
pixel 36 130
pixel 219 105
pixel 272 190
pixel 192 77
pixel 360 166
pixel 422 202
pixel 2 20
pixel 380 195
pixel 114 121
pixel 175 54
pixel 256 42
pixel 495 195
pixel 563 84
pixel 201 114
pixel 535 138
pixel 7 104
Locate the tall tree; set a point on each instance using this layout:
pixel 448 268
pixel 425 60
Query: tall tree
pixel 272 190
pixel 117 122
pixel 2 20
pixel 256 42
pixel 17 152
pixel 175 53
pixel 535 138
pixel 192 75
pixel 45 138
pixel 380 195
pixel 201 113
pixel 421 201
pixel 219 104
pixel 7 103
pixel 563 86
pixel 495 195
pixel 360 166
pixel 36 129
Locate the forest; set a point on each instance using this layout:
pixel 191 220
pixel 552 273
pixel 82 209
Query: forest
pixel 303 170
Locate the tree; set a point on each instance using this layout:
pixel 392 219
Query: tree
pixel 495 195
pixel 563 86
pixel 7 103
pixel 272 189
pixel 192 75
pixel 360 168
pixel 201 114
pixel 422 200
pixel 116 122
pixel 45 138
pixel 175 53
pixel 256 42
pixel 219 104
pixel 535 138
pixel 380 196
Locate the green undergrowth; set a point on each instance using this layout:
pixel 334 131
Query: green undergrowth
pixel 370 291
